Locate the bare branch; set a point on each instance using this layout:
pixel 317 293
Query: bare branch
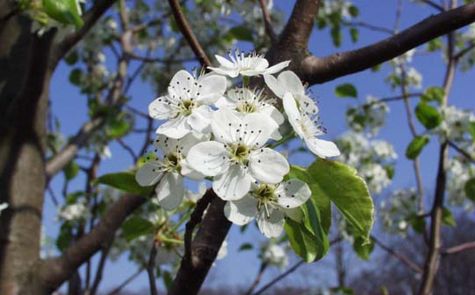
pixel 90 19
pixel 293 42
pixel 461 151
pixel 258 278
pixel 280 277
pixel 433 5
pixel 405 260
pixel 126 282
pixel 318 70
pixel 187 32
pixel 267 21
pixel 459 248
pixel 204 248
pixel 151 270
pixel 367 26
pixel 54 271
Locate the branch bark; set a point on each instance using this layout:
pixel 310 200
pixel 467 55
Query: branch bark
pixel 318 70
pixel 204 248
pixel 53 272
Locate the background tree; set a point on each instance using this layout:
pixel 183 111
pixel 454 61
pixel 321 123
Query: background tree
pixel 118 45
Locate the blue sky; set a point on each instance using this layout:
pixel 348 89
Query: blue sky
pixel 240 268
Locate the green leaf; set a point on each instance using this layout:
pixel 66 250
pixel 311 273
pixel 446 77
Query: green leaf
pixel 321 201
pixel 75 76
pixel 67 12
pixel 354 11
pixel 245 247
pixel 118 128
pixel 241 33
pixel 448 218
pixel 471 130
pixel 72 57
pixel 135 227
pixel 346 90
pixel 71 170
pixel 418 223
pixel 434 44
pixel 415 146
pixel 362 249
pixel 303 242
pixel 428 115
pixel 354 34
pixel 433 94
pixel 124 181
pixel 167 280
pixel 336 35
pixel 348 191
pixel 65 237
pixel 469 189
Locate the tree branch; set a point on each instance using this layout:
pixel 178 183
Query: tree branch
pixel 267 21
pixel 461 151
pixel 151 270
pixel 54 271
pixel 318 70
pixel 188 33
pixel 459 248
pixel 405 260
pixel 280 277
pixel 90 18
pixel 204 248
pixel 293 41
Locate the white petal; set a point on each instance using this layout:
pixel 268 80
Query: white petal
pixel 293 193
pixel 225 125
pixel 181 82
pixel 257 129
pixel 225 103
pixel 241 211
pixel 273 225
pixel 209 158
pixel 291 83
pixel 170 191
pixel 148 174
pixel 233 73
pixel 224 61
pixel 200 119
pixel 293 114
pixel 160 109
pixel 274 85
pixel 188 171
pixel 190 140
pixel 267 165
pixel 175 128
pixel 278 67
pixel 233 184
pixel 322 148
pixel 210 88
pixel 295 214
pixel 273 113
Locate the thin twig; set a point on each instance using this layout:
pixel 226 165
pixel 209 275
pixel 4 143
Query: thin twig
pixel 151 270
pixel 267 21
pixel 258 278
pixel 433 5
pixel 367 26
pixel 459 248
pixel 280 277
pixel 461 151
pixel 464 51
pixel 185 29
pixel 126 282
pixel 405 260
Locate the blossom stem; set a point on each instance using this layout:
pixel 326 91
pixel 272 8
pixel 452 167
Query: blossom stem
pixel 289 136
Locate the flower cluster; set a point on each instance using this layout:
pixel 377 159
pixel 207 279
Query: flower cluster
pixel 226 133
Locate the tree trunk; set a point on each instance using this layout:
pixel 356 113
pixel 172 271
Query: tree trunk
pixel 24 79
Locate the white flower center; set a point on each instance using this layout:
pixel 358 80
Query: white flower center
pixel 239 153
pixel 266 198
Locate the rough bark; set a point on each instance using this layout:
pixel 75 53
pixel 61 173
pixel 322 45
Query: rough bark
pixel 24 79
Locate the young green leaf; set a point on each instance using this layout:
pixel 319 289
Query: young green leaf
pixel 135 227
pixel 348 191
pixel 71 170
pixel 303 242
pixel 124 181
pixel 433 94
pixel 415 147
pixel 469 189
pixel 428 115
pixel 346 90
pixel 363 250
pixel 448 218
pixel 67 12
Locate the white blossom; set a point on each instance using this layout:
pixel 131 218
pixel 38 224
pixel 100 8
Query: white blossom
pixel 3 206
pixel 269 204
pixel 246 65
pixel 186 107
pixel 246 101
pixel 74 212
pixel 168 171
pixel 237 156
pixel 275 255
pixel 455 124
